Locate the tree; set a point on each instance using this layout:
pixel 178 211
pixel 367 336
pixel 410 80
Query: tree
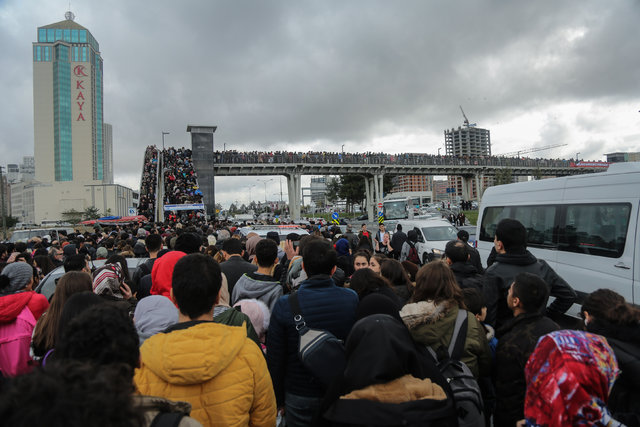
pixel 91 213
pixel 503 176
pixel 10 221
pixel 233 208
pixel 537 174
pixel 73 216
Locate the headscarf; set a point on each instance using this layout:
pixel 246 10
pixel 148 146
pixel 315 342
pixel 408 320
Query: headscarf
pixel 154 314
pixel 569 376
pixel 18 275
pixel 251 246
pixel 258 313
pixel 107 280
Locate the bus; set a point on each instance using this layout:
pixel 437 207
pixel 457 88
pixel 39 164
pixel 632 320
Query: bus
pixel 586 227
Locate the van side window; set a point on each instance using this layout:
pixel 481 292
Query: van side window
pixel 595 229
pixel 490 219
pixel 539 221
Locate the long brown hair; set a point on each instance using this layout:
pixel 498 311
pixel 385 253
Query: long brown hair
pixel 45 332
pixel 435 282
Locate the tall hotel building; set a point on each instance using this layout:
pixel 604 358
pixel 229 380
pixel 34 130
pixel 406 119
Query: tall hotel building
pixel 72 144
pixel 67 104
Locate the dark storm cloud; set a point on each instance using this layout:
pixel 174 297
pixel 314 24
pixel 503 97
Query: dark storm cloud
pixel 297 75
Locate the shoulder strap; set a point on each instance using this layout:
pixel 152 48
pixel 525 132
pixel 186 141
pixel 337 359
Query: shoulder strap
pixel 301 326
pixel 167 419
pixel 456 346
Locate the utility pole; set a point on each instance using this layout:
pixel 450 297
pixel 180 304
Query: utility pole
pixel 4 216
pixel 163 134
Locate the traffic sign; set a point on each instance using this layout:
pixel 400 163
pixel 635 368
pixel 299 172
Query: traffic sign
pixel 380 214
pixel 334 215
pixel 380 205
pixel 131 211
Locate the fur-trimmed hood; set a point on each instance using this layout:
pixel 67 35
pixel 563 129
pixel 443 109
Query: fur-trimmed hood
pixel 424 312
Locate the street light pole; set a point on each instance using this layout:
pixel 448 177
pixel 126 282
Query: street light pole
pixel 577 156
pixel 163 134
pixel 264 181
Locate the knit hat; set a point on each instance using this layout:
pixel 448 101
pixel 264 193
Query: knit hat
pixel 154 314
pixel 107 280
pixel 15 277
pixel 211 240
pixel 342 247
pixel 102 252
pixel 162 273
pixel 142 233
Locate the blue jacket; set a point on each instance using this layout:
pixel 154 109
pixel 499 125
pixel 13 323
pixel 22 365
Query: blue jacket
pixel 324 306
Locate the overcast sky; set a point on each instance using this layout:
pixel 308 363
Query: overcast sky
pixel 372 75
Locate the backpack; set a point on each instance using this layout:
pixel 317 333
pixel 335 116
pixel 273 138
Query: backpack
pixel 320 352
pixel 464 387
pixel 413 254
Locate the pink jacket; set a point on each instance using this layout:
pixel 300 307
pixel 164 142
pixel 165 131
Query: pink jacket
pixel 15 339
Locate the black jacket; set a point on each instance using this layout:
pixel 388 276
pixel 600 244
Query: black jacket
pixel 624 399
pixel 380 349
pixel 499 277
pixel 466 275
pixel 234 268
pixel 516 341
pixel 397 240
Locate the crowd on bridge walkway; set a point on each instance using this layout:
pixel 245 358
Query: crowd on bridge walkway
pixel 149 182
pixel 180 180
pixel 371 158
pixel 202 332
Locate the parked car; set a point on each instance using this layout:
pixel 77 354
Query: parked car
pixel 433 235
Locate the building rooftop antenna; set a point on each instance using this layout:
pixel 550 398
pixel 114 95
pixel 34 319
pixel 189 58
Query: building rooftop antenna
pixel 69 16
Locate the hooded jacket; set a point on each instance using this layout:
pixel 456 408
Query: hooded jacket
pixel 257 286
pixel 499 277
pixel 215 368
pixel 432 325
pixel 16 327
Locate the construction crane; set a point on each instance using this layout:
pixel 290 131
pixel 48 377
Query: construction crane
pixel 530 150
pixel 466 121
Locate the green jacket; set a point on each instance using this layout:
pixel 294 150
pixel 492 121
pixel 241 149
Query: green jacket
pixel 432 325
pixel 233 317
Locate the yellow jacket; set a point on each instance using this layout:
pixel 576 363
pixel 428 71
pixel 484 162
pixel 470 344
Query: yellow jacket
pixel 214 367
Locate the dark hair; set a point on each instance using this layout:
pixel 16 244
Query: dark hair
pixel 365 281
pixel 46 330
pixel 153 242
pixel 232 246
pixel 455 251
pixel 463 235
pixel 103 335
pixel 196 284
pixel 399 227
pixel 392 270
pixel 474 300
pixel 294 237
pixel 266 252
pixel 71 394
pixel 435 282
pixel 512 234
pixel 607 305
pixel 532 291
pixel 45 264
pixel 318 257
pixel 75 263
pixel 189 243
pixel 26 257
pixel 20 247
pixel 412 236
pixel 362 253
pixel 122 262
pixel 75 305
pixel 411 269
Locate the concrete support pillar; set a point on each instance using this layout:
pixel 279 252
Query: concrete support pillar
pixel 380 187
pixel 467 187
pixel 294 188
pixel 368 193
pixel 478 188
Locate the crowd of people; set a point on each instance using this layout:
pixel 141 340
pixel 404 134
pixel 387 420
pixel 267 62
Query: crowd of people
pixel 371 158
pixel 180 178
pixel 149 183
pixel 203 331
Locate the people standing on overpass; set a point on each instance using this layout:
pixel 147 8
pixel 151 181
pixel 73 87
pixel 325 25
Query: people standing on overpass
pixel 513 258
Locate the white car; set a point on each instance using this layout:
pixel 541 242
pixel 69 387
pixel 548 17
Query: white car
pixel 433 235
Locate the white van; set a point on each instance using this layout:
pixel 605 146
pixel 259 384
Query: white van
pixel 586 227
pixel 433 235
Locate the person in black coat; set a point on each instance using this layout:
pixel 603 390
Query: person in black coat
pixel 380 352
pixel 606 313
pixel 458 259
pixel 514 258
pixel 397 240
pixel 234 265
pixel 517 339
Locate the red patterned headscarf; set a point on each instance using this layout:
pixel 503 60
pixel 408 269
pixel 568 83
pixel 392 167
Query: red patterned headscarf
pixel 569 377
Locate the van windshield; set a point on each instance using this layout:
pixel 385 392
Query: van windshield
pixel 445 232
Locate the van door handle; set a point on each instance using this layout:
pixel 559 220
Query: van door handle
pixel 622 265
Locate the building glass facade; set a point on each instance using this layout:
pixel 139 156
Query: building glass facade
pixel 62 141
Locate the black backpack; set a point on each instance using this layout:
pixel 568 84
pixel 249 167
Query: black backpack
pixel 464 387
pixel 320 352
